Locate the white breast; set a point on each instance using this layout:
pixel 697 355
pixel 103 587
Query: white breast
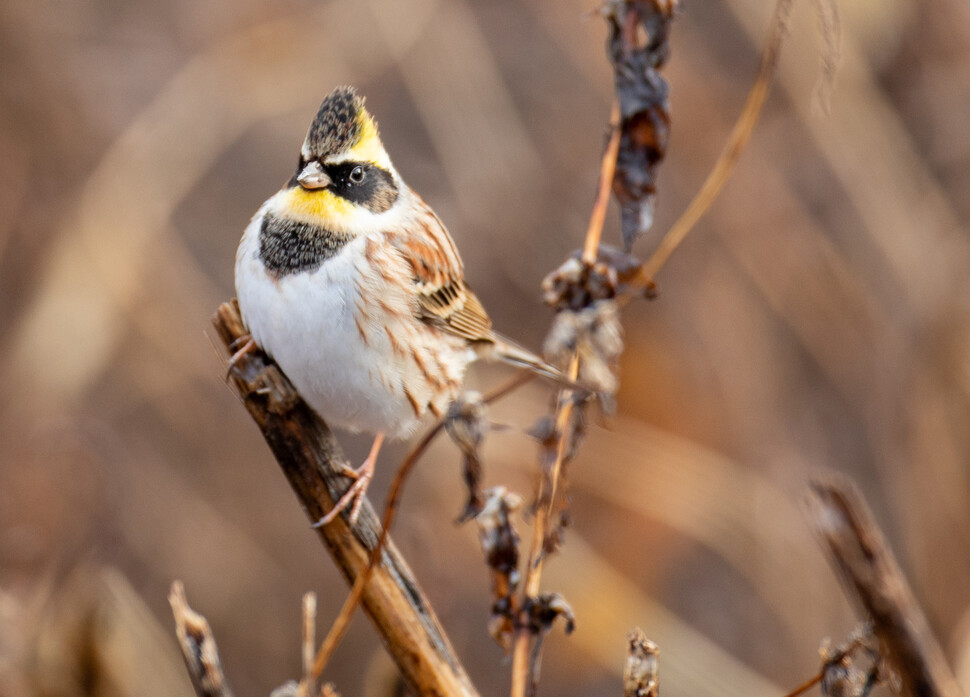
pixel 330 331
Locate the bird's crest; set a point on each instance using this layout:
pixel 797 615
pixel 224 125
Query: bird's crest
pixel 343 130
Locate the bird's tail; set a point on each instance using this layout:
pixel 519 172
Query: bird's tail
pixel 509 352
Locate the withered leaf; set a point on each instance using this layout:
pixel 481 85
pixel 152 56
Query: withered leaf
pixel 638 48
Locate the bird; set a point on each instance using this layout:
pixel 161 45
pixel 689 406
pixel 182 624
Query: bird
pixel 351 283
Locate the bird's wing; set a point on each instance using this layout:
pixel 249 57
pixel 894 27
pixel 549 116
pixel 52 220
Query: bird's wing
pixel 444 300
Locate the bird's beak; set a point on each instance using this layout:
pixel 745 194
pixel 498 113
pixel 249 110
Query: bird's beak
pixel 313 176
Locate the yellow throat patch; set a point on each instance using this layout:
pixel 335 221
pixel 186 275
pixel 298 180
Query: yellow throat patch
pixel 320 207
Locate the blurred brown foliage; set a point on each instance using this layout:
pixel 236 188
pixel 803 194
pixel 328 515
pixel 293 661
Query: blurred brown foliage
pixel 819 316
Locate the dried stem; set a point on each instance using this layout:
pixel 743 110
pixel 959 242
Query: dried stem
pixel 521 659
pixel 520 650
pixel 198 647
pixel 562 421
pixel 533 571
pixel 522 662
pixel 732 150
pixel 309 643
pixel 313 463
pixel 872 578
pixel 523 377
pixel 607 167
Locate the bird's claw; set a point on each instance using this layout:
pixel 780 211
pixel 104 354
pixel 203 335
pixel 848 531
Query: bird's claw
pixel 354 496
pixel 247 345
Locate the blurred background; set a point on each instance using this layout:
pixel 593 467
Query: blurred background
pixel 819 317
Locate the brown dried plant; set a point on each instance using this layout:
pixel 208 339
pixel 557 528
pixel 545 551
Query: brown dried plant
pixel 586 341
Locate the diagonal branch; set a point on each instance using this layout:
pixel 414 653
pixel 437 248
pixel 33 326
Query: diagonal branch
pixel 874 581
pixel 312 462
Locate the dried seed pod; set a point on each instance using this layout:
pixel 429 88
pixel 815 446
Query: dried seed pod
pixel 500 544
pixel 575 284
pixel 641 672
pixel 595 334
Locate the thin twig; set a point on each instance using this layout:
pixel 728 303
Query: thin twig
pixel 732 150
pixel 523 377
pixel 533 572
pixel 309 643
pixel 521 660
pixel 807 685
pixel 607 167
pixel 562 420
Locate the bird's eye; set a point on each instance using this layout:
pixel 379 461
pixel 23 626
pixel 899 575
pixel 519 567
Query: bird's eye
pixel 357 175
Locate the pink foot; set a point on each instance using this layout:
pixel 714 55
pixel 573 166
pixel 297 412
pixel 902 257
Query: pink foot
pixel 356 493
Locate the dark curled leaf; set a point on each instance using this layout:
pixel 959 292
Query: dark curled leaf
pixel 638 47
pixel 466 425
pixel 843 679
pixel 543 611
pixel 500 544
pixel 539 614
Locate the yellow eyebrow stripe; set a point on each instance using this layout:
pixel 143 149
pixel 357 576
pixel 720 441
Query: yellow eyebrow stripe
pixel 368 147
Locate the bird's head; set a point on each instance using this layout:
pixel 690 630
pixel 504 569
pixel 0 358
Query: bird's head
pixel 344 174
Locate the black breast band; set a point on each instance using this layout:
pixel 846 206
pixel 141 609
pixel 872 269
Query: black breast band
pixel 289 246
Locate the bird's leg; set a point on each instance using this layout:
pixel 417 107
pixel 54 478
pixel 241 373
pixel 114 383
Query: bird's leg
pixel 358 489
pixel 247 345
